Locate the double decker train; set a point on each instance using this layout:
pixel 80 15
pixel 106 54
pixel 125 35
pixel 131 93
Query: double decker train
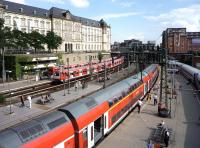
pixel 190 73
pixel 83 123
pixel 64 73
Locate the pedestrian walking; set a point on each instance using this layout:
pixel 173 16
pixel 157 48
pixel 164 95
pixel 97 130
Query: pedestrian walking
pixel 149 97
pixel 75 86
pixel 29 100
pixel 139 105
pixel 155 98
pixel 22 100
pixel 166 138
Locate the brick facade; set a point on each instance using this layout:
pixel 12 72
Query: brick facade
pixel 177 40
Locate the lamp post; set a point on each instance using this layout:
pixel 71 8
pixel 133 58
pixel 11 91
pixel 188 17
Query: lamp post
pixel 10 102
pixel 68 75
pixel 64 81
pixel 104 84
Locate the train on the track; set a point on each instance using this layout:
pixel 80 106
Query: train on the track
pixel 192 74
pixel 83 123
pixel 64 73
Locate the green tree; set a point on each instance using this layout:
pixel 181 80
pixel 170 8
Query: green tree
pixel 52 40
pixel 36 40
pixel 20 39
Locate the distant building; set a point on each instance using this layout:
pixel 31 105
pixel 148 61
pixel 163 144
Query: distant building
pixel 78 33
pixel 177 40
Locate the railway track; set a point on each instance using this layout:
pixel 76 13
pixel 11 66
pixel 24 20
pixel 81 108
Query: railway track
pixel 48 87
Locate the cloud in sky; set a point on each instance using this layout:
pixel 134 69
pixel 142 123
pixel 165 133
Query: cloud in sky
pixel 126 4
pixel 55 1
pixel 76 3
pixel 137 35
pixel 116 15
pixel 80 3
pixel 188 17
pixel 18 1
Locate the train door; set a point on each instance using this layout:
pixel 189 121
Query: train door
pixel 145 88
pixel 98 129
pixel 105 123
pixel 91 135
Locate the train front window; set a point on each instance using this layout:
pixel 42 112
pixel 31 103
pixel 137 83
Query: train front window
pixel 56 74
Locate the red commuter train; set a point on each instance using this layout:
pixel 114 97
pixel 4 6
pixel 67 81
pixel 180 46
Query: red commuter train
pixel 75 72
pixel 83 123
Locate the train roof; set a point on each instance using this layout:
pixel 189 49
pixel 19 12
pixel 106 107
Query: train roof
pixel 29 130
pixel 84 105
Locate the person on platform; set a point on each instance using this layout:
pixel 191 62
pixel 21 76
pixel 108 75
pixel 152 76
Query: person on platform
pixel 149 97
pixel 22 100
pixel 29 100
pixel 155 99
pixel 139 105
pixel 166 138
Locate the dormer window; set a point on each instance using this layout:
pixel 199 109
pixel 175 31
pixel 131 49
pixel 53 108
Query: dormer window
pixel 21 9
pixel 34 12
pixel 46 14
pixel 67 14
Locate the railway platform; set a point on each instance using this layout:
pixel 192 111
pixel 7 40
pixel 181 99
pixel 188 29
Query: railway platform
pixel 13 114
pixel 137 130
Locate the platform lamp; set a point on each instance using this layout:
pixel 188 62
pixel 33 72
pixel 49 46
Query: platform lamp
pixel 68 75
pixel 10 102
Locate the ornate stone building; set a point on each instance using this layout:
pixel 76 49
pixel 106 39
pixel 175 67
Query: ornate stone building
pixel 78 33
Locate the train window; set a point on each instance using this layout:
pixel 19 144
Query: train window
pixel 110 102
pixel 56 74
pixel 91 133
pixel 85 134
pixel 123 93
pixel 56 123
pixel 105 121
pixel 31 132
pixel 114 119
pixel 120 97
pixel 115 100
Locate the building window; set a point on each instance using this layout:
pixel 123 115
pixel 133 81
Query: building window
pixel 42 24
pixel 36 23
pixel 23 30
pixel 7 20
pixel 42 32
pixel 48 25
pixel 23 22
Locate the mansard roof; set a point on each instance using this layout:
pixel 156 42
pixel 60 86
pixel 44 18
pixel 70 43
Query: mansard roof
pixel 25 9
pixel 53 12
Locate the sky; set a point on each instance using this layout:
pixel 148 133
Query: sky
pixel 132 19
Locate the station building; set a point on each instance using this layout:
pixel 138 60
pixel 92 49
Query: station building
pixel 78 33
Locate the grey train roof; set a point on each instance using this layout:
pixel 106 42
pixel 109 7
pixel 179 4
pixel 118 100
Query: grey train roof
pixel 189 68
pixel 53 12
pixel 84 105
pixel 29 130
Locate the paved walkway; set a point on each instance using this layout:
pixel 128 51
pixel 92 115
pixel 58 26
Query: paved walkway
pixel 24 113
pixel 137 129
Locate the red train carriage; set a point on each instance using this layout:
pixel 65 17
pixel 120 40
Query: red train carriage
pixel 83 123
pixel 51 130
pixel 62 73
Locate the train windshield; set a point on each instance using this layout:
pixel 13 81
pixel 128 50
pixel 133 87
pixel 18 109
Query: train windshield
pixel 56 74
